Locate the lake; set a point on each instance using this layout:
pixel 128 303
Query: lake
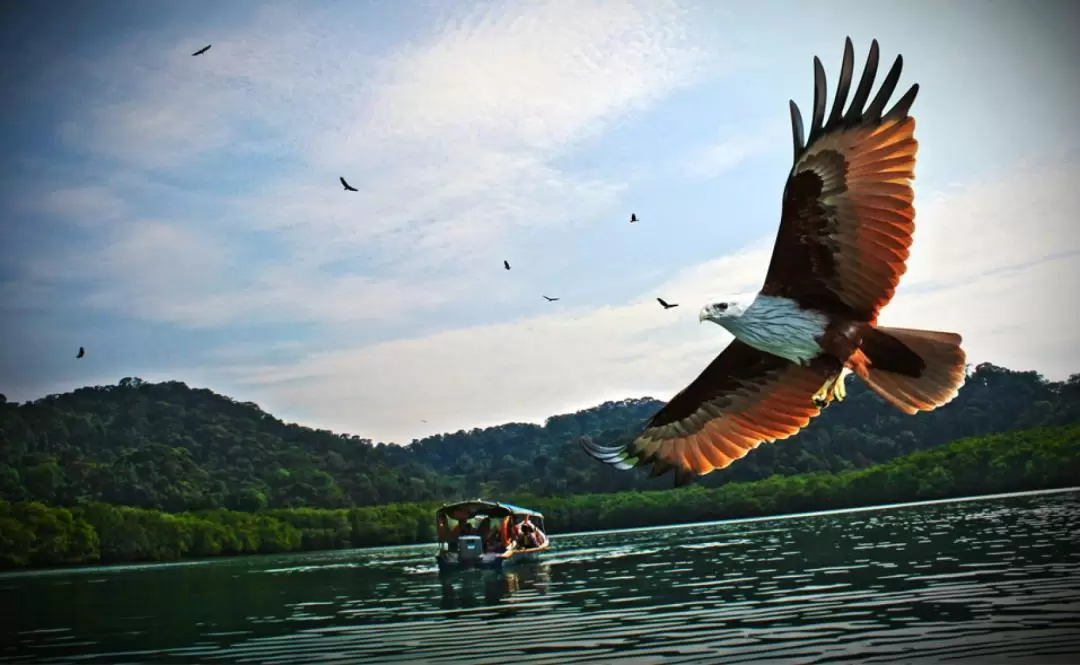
pixel 989 580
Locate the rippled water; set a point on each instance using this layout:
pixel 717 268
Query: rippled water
pixel 989 580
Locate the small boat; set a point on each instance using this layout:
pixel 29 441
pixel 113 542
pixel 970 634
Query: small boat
pixel 487 534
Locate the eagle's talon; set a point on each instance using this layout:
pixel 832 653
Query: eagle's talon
pixel 831 390
pixel 838 391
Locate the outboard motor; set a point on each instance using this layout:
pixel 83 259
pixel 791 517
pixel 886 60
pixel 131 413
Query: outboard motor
pixel 470 548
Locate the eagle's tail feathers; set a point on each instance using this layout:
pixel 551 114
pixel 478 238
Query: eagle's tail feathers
pixel 914 370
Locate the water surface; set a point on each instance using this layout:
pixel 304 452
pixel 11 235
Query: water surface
pixel 990 580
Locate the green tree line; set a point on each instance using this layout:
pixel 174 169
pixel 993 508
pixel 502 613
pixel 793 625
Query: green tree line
pixel 35 534
pixel 170 447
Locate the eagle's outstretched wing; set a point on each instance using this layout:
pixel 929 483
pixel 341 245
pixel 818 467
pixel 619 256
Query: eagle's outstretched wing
pixel 743 398
pixel 848 216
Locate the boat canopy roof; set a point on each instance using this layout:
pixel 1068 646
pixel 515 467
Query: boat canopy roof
pixel 466 509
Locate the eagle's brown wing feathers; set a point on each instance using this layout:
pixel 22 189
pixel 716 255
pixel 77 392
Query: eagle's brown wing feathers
pixel 743 398
pixel 847 218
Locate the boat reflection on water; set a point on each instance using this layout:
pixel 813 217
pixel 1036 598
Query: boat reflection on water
pixel 475 587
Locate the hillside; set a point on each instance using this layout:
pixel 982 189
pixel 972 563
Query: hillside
pixel 33 534
pixel 171 447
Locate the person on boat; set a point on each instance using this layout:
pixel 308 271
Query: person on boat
pixel 529 537
pixel 442 528
pixel 493 541
pixel 488 534
pixel 513 536
pixel 534 536
pixel 498 538
pixel 463 528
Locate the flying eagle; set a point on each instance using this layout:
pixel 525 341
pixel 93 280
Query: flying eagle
pixel 506 264
pixel 666 305
pixel 202 50
pixel 347 186
pixel 846 227
pixel 81 353
pixel 633 217
pixel 550 299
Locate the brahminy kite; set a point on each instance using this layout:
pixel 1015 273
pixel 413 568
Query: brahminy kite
pixel 845 231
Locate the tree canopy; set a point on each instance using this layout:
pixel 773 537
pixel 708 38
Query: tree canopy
pixel 33 534
pixel 167 446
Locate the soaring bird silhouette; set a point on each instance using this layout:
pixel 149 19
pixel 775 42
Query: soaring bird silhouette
pixel 347 186
pixel 844 238
pixel 633 217
pixel 550 299
pixel 506 264
pixel 81 353
pixel 666 305
pixel 202 50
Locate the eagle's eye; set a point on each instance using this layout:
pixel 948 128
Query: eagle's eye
pixel 722 306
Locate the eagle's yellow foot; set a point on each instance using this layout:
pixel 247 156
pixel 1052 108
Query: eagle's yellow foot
pixel 830 390
pixel 839 392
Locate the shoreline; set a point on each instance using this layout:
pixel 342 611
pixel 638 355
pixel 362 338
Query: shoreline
pixel 79 569
pixel 1029 462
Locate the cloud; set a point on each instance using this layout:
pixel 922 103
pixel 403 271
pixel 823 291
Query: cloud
pixel 149 268
pixel 996 223
pixel 87 207
pixel 174 272
pixel 455 141
pixel 1015 317
pixel 538 366
pixel 480 375
pixel 554 78
pixel 169 133
pixel 731 148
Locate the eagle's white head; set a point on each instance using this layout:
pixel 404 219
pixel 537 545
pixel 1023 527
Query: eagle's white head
pixel 724 312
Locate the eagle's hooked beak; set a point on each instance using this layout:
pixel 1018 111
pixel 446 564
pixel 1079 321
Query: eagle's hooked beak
pixel 703 315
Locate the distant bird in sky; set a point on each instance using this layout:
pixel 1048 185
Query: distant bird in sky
pixel 666 305
pixel 550 299
pixel 202 50
pixel 633 217
pixel 347 186
pixel 81 353
pixel 846 226
pixel 506 264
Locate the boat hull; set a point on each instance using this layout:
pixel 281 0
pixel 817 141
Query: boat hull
pixel 450 561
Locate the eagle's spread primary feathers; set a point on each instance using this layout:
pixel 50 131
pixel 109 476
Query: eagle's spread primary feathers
pixel 845 232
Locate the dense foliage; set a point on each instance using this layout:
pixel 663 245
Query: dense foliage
pixel 37 535
pixel 170 447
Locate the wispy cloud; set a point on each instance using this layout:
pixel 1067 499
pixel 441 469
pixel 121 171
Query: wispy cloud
pixel 996 223
pixel 731 148
pixel 452 149
pixel 87 207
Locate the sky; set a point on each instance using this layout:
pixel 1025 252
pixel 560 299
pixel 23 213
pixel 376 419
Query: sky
pixel 181 216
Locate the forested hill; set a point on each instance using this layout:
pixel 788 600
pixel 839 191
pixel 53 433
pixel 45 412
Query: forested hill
pixel 177 448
